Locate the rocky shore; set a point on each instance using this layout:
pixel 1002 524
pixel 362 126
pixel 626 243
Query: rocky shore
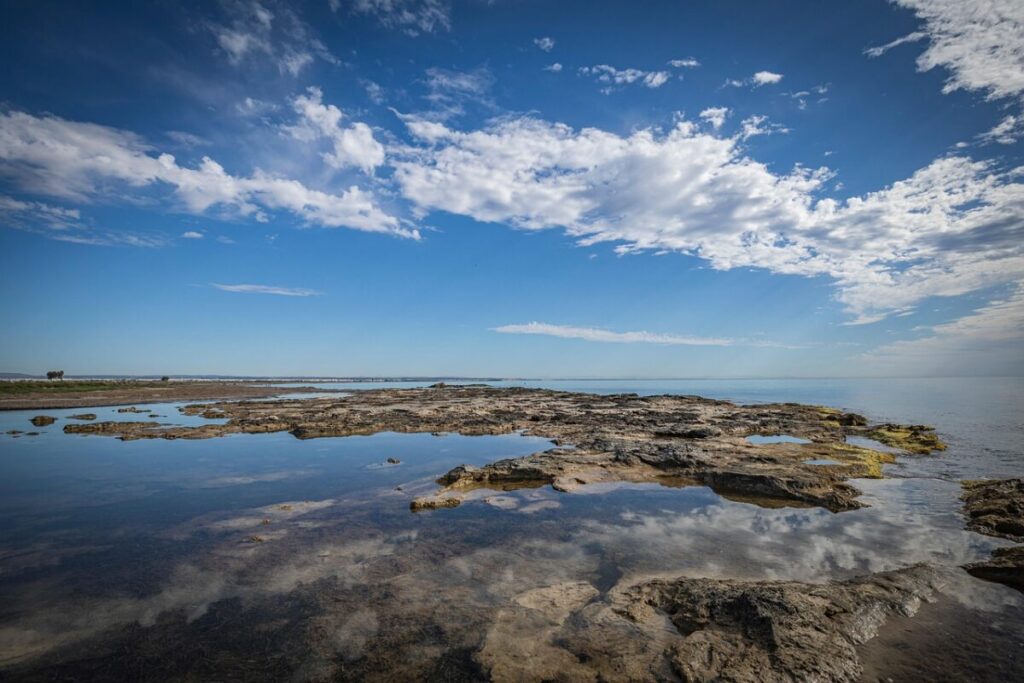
pixel 995 507
pixel 676 440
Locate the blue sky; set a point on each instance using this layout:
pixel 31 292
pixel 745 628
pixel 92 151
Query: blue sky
pixel 513 188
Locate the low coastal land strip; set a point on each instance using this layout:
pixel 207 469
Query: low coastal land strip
pixel 54 395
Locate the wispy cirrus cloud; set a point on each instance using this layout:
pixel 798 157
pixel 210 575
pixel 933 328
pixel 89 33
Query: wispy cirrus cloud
pixel 266 289
pixel 596 334
pixel 270 30
pixel 599 335
pixel 412 17
pixel 980 43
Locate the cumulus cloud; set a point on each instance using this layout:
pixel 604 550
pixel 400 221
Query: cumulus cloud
pixel 192 235
pixel 353 145
pixel 766 78
pixel 267 289
pixel 980 43
pixel 688 63
pixel 598 335
pixel 83 161
pixel 756 81
pixel 605 73
pixel 410 16
pixel 554 68
pixel 545 43
pixel 715 116
pixel 952 227
pixel 252 29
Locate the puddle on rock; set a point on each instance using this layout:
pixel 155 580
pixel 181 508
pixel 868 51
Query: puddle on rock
pixel 777 438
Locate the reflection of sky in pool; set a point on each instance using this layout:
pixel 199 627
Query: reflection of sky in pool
pixel 115 551
pixel 778 438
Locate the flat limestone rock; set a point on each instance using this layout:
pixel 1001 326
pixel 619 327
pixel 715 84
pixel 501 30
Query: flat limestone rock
pixel 699 630
pixel 676 440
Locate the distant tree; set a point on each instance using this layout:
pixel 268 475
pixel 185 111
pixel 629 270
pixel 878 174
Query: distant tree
pixel 55 374
pixel 165 378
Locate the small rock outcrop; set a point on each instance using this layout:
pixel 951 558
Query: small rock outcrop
pixel 42 420
pixel 995 507
pixel 83 416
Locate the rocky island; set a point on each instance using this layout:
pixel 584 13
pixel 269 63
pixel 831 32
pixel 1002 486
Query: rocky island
pixel 675 440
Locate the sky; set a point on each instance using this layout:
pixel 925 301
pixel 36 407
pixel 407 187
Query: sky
pixel 513 188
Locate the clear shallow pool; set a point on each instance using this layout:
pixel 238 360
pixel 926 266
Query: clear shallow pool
pixel 267 557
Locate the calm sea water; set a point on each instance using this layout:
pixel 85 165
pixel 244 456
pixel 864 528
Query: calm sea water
pixel 266 557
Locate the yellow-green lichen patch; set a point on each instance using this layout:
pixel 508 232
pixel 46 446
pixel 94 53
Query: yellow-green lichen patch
pixel 867 463
pixel 910 438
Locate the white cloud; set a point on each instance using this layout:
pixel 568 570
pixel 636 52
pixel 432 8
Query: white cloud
pixel 352 146
pixel 766 78
pixel 980 42
pixel 756 81
pixel 271 30
pixel 554 68
pixel 882 49
pixel 759 125
pixel 599 335
pixel 609 74
pixel 545 43
pixel 688 63
pixel 715 116
pixel 267 289
pixel 192 235
pixel 83 161
pixel 1006 132
pixel 952 227
pixel 411 16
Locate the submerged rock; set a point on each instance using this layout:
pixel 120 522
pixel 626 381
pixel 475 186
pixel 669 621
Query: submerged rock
pixel 83 416
pixel 127 431
pixel 42 420
pixel 697 629
pixel 1006 565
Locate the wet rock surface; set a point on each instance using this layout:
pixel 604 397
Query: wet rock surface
pixel 42 420
pixel 622 437
pixel 995 507
pixel 695 629
pixel 83 416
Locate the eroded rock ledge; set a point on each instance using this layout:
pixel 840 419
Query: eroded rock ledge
pixel 996 508
pixel 622 437
pixel 699 629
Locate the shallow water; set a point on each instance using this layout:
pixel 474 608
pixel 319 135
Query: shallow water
pixel 267 557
